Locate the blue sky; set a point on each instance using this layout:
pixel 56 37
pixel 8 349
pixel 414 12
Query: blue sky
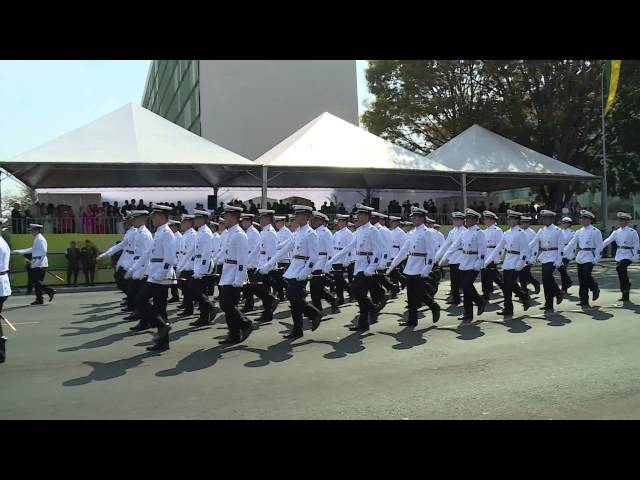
pixel 41 100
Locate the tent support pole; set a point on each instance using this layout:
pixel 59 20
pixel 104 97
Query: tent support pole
pixel 464 190
pixel 264 186
pixel 215 198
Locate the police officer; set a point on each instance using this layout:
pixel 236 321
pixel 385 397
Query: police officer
pixel 325 250
pixel 234 275
pixel 515 248
pixel 490 273
pixel 455 257
pixel 201 263
pixel 185 264
pixel 368 248
pixel 588 241
pixel 341 238
pixel 174 225
pixel 420 252
pixel 525 275
pixel 303 246
pixel 39 263
pixel 626 238
pixel 253 238
pixel 158 267
pixel 567 235
pixel 547 248
pixel 473 245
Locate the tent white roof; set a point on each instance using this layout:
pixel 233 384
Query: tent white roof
pixel 331 152
pixel 496 162
pixel 128 147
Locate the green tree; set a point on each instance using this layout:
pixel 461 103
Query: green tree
pixel 552 107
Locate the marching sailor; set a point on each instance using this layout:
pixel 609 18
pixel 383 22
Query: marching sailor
pixel 420 251
pixel 201 263
pixel 283 235
pixel 454 257
pixel 185 264
pixel 547 248
pixel 588 242
pixel 398 237
pixel 341 239
pixel 266 277
pixel 567 235
pixel 39 263
pixel 628 251
pixel 253 237
pixel 325 250
pixel 126 257
pixel 525 274
pixel 490 274
pixel 174 225
pixel 5 257
pixel 141 241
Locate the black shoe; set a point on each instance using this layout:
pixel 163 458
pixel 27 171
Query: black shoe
pixel 482 306
pixel 465 319
pixel 596 294
pixel 583 304
pixel 559 298
pixel 546 307
pixel 360 328
pixel 246 330
pixel 341 301
pixel 139 327
pixel 274 304
pixel 506 313
pixel 201 322
pixel 247 308
pixel 53 292
pixel 334 307
pixel 408 324
pixel 293 334
pixel 159 347
pixel 186 313
pixel 536 288
pixel 230 341
pixel 372 317
pixel 173 300
pixel 435 310
pixel 127 309
pixel 131 317
pixel 37 302
pixel 526 304
pixel 315 321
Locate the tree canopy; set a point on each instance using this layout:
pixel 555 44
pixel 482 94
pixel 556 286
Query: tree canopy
pixel 553 107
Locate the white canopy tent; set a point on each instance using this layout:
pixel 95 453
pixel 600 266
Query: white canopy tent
pixel 130 147
pixel 489 162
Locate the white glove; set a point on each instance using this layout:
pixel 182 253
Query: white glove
pixel 127 275
pixel 99 257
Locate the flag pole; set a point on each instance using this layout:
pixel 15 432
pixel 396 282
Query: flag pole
pixel 605 210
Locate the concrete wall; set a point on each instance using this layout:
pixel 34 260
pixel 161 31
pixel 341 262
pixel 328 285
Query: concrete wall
pixel 248 106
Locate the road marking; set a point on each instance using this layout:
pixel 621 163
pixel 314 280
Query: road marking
pixel 24 323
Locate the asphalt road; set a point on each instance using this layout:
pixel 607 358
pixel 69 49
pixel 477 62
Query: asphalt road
pixel 76 359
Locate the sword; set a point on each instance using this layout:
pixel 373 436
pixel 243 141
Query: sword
pixel 8 322
pixel 47 271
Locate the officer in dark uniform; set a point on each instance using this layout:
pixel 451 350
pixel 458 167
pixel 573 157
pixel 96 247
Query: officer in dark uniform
pixel 73 264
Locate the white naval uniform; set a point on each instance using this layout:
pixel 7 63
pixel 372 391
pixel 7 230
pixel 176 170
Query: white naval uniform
pixel 514 247
pixel 325 247
pixel 5 256
pixel 253 237
pixel 420 249
pixel 303 246
pixel 268 246
pixel 493 234
pixel 398 237
pixel 187 247
pixel 202 251
pixel 547 245
pixel 218 258
pixel 126 246
pixel 341 239
pixel 234 258
pixel 455 256
pixel 586 238
pixel 178 237
pixel 567 235
pixel 160 269
pixel 386 241
pixel 472 245
pixel 216 241
pixel 141 252
pixel 530 234
pixel 628 243
pixel 38 252
pixel 283 236
pixel 368 247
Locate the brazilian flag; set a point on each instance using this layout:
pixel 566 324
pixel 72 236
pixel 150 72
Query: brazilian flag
pixel 611 74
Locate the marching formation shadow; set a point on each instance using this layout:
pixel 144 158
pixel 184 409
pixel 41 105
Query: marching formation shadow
pixel 100 342
pixel 108 370
pixel 408 337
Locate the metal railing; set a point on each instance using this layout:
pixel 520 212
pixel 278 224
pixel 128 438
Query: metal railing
pixel 96 225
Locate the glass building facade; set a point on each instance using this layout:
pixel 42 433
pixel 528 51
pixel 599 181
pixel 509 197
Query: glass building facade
pixel 173 92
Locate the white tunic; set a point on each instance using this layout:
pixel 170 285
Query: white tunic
pixel 325 247
pixel 341 239
pixel 218 258
pixel 455 257
pixel 268 245
pixel 627 241
pixel 514 247
pixel 589 238
pixel 387 241
pixel 398 237
pixel 5 254
pixel 253 237
pixel 178 237
pixel 235 257
pixel 126 246
pixel 143 243
pixel 547 245
pixel 303 246
pixel 187 247
pixel 567 235
pixel 367 246
pixel 493 234
pixel 420 249
pixel 216 241
pixel 38 252
pixel 284 234
pixel 472 244
pixel 202 251
pixel 160 269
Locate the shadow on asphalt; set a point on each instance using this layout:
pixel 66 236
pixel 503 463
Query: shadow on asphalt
pixel 101 342
pixel 349 345
pixel 280 352
pixel 89 330
pixel 408 337
pixel 198 360
pixel 465 331
pixel 96 318
pixel 109 370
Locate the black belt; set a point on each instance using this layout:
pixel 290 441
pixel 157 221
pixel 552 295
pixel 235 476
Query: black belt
pixel 338 248
pixel 587 249
pixel 130 251
pixel 626 248
pixel 491 246
pixel 322 253
pixel 36 258
pixel 232 262
pixel 364 253
pixel 417 254
pixel 469 253
pixel 157 260
pixel 395 246
pixel 548 249
pixel 263 253
pixel 135 258
pixel 4 273
pixel 300 257
pixel 198 256
pixel 513 252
